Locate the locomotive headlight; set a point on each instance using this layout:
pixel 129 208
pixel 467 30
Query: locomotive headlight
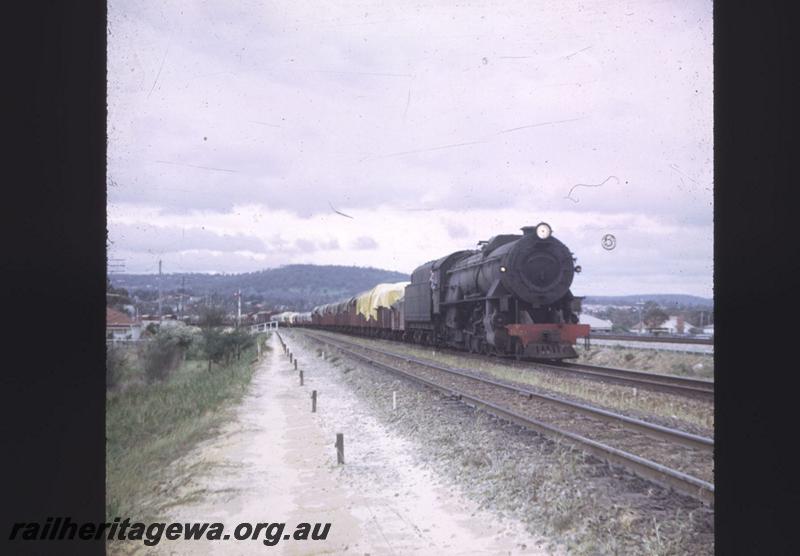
pixel 503 269
pixel 543 231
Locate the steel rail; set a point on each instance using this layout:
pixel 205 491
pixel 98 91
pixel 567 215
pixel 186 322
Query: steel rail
pixel 699 383
pixel 654 381
pixel 642 467
pixel 638 425
pixel 683 386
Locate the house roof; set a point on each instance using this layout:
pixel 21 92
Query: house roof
pixel 117 318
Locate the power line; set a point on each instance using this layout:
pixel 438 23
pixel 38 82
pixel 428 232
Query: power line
pixel 115 266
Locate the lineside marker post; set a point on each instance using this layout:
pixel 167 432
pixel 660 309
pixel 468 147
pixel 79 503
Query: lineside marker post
pixel 313 401
pixel 339 447
pixel 301 378
pixel 394 400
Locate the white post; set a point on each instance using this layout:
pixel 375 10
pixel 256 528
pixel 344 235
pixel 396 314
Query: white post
pixel 394 400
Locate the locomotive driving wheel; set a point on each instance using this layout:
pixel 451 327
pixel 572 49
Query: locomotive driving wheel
pixel 475 345
pixel 519 351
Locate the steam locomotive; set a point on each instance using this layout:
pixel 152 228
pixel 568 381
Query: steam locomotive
pixel 510 297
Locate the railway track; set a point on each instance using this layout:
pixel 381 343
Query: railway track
pixel 671 384
pixel 589 428
pixel 692 387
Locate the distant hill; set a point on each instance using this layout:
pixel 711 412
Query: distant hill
pixel 300 287
pixel 664 299
pixel 303 286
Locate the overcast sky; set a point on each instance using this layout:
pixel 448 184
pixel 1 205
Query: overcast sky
pixel 250 134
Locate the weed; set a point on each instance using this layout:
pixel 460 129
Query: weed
pixel 148 425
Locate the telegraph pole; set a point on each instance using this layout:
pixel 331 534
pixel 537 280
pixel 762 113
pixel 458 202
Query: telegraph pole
pixel 180 302
pixel 159 293
pixel 641 323
pixel 115 265
pixel 238 308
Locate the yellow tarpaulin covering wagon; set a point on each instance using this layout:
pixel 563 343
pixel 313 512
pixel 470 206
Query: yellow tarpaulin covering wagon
pixel 382 296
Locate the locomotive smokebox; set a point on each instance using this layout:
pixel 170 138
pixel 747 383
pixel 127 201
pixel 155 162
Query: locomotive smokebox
pixel 539 271
pixel 535 268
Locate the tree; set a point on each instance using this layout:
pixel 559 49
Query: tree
pixel 116 362
pixel 182 336
pixel 116 297
pixel 213 345
pixel 211 315
pixel 161 356
pixel 240 340
pixel 653 315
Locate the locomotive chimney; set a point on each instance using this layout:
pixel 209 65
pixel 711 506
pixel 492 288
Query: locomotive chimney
pixel 528 230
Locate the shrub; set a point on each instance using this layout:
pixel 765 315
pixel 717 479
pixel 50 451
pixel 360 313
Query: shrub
pixel 681 368
pixel 183 336
pixel 221 347
pixel 160 356
pixel 116 361
pixel 213 345
pixel 238 341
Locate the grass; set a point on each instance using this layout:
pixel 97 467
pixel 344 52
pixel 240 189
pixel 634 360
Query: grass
pixel 695 365
pixel 150 425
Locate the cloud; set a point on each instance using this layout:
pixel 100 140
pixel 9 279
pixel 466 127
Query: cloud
pixel 456 230
pixel 151 238
pixel 651 252
pixel 252 120
pixel 364 243
pixel 310 246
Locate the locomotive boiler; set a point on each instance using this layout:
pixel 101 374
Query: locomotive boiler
pixel 510 297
